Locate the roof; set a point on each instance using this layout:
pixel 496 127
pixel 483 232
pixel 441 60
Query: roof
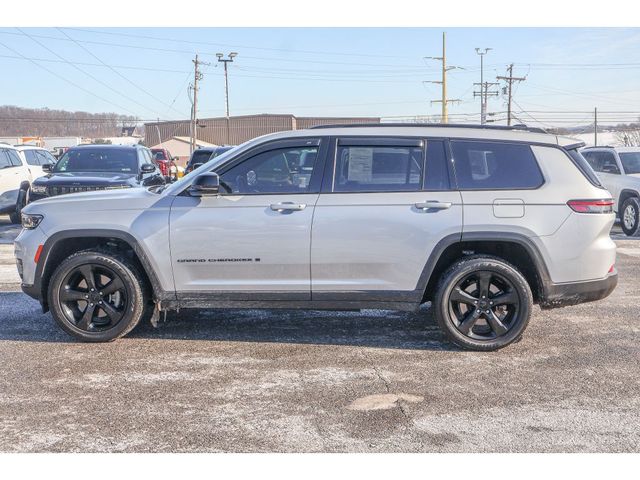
pixel 613 147
pixel 522 134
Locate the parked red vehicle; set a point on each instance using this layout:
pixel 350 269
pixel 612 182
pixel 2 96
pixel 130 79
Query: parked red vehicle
pixel 165 161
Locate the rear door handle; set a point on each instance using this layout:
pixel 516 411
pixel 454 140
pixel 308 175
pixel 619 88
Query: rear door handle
pixel 287 207
pixel 433 205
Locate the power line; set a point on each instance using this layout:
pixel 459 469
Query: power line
pixel 66 80
pixel 143 90
pixel 93 77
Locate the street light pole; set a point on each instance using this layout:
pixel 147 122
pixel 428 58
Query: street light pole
pixel 483 87
pixel 226 61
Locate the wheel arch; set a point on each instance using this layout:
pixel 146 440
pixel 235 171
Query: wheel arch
pixel 62 244
pixel 625 194
pixel 516 249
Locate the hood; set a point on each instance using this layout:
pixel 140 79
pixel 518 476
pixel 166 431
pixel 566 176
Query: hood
pixel 119 199
pixel 69 179
pixel 634 175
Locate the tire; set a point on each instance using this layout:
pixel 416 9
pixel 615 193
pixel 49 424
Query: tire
pixel 97 315
pixel 630 217
pixel 16 216
pixel 476 323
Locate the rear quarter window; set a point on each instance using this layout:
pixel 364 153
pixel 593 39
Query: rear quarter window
pixel 482 165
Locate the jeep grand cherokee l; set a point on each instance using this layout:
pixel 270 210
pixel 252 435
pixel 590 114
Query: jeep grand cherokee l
pixel 482 222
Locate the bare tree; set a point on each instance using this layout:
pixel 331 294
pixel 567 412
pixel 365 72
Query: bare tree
pixel 18 121
pixel 628 137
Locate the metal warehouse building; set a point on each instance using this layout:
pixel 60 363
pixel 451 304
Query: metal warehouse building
pixel 236 130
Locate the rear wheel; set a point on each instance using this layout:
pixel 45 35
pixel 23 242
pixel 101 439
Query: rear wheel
pixel 483 303
pixel 97 296
pixel 629 216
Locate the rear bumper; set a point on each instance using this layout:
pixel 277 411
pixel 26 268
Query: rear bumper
pixel 565 294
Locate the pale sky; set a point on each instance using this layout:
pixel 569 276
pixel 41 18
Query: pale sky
pixel 323 71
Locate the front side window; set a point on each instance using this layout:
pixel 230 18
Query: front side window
pixel 495 165
pixel 378 169
pixel 4 159
pixel 630 162
pixel 98 160
pixel 14 158
pixel 285 170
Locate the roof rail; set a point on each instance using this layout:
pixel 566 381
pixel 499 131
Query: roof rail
pixel 433 125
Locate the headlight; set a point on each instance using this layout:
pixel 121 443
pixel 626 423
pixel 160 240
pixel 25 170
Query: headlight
pixel 40 189
pixel 30 222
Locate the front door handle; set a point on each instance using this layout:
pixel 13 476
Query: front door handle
pixel 287 207
pixel 433 205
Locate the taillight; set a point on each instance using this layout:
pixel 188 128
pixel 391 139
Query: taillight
pixel 591 206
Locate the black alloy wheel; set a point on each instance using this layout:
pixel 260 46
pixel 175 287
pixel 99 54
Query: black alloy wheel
pixel 98 295
pixel 93 297
pixel 483 303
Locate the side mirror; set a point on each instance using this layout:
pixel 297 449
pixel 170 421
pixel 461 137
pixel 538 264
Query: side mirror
pixel 196 165
pixel 47 167
pixel 147 168
pixel 205 185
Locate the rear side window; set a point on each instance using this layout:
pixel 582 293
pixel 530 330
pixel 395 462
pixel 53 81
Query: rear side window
pixel 364 168
pixel 31 157
pixel 495 166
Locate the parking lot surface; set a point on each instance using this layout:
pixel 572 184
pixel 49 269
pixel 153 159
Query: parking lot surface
pixel 371 381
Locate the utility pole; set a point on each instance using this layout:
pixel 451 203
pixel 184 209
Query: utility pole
pixel 510 79
pixel 197 76
pixel 595 126
pixel 226 61
pixel 444 101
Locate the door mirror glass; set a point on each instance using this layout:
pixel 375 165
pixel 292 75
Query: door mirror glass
pixel 205 185
pixel 147 168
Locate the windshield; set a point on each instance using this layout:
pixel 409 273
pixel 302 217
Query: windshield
pixel 630 162
pixel 98 160
pixel 200 156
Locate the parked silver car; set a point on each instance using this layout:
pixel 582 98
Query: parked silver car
pixel 482 222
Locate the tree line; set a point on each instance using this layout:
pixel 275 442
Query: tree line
pixel 45 122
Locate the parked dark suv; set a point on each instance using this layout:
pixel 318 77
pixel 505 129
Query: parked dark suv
pixel 97 167
pixel 203 155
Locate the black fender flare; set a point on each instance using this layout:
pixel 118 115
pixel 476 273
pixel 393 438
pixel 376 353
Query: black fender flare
pixel 37 289
pixel 517 238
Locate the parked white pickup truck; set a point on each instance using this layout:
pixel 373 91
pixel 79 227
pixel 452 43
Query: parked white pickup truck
pixel 619 171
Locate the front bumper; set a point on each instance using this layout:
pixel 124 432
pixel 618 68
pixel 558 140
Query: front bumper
pixel 565 294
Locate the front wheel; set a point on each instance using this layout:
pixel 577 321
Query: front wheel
pixel 97 296
pixel 483 303
pixel 629 216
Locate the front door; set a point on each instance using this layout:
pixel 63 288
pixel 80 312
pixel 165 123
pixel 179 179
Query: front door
pixel 253 240
pixel 380 216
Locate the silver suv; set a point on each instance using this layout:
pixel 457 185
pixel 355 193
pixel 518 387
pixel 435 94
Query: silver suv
pixel 482 222
pixel 619 170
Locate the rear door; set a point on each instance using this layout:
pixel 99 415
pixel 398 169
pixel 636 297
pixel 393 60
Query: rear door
pixel 385 204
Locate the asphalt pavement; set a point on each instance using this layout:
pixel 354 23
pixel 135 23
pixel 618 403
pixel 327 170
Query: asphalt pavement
pixel 373 381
